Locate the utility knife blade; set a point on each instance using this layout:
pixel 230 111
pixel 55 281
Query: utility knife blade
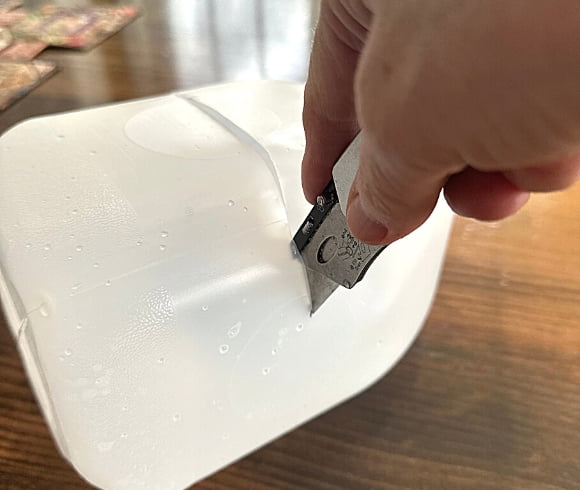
pixel 332 255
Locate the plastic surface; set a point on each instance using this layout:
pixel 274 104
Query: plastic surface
pixel 148 277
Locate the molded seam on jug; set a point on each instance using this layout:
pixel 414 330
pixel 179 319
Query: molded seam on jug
pixel 240 134
pixel 19 323
pixel 13 306
pixel 35 371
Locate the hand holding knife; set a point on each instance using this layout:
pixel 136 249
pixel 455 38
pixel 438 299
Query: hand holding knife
pixel 332 255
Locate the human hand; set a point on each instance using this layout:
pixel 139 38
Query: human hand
pixel 480 99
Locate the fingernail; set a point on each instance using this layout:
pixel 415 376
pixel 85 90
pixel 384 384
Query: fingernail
pixel 363 227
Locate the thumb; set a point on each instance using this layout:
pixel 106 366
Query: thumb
pixel 329 115
pixel 390 198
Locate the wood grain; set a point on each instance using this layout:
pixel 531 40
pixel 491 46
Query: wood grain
pixel 489 395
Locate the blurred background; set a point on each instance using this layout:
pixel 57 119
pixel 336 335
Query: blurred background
pixel 175 45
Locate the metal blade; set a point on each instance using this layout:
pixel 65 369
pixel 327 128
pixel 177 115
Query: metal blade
pixel 321 287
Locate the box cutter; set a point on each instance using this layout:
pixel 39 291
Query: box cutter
pixel 332 255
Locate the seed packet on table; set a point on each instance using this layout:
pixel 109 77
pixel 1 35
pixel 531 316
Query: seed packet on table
pixel 17 78
pixel 7 5
pixel 23 50
pixel 76 27
pixel 11 17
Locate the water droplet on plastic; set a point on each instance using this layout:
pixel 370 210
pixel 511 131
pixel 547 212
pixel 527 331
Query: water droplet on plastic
pixel 60 136
pixel 164 234
pixel 231 203
pixel 79 326
pixel 67 198
pixel 161 360
pixel 379 343
pixel 96 265
pixel 69 257
pixel 79 248
pixel 139 243
pixel 75 211
pixel 107 283
pixel 266 371
pixel 204 308
pixel 124 435
pixel 294 249
pixel 67 352
pixel 124 408
pixel 176 417
pixel 43 310
pixel 300 327
pixel 61 358
pixel 28 245
pixel 234 330
pixel 105 446
pixel 99 381
pixel 47 246
pixel 162 247
pixel 75 287
pixel 245 209
pixel 224 348
pixel 71 236
pixel 275 351
pixel 93 152
pixel 225 437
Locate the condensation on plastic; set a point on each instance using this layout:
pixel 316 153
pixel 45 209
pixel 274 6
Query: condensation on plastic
pixel 149 278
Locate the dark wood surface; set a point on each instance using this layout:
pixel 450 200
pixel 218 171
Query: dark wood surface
pixel 489 395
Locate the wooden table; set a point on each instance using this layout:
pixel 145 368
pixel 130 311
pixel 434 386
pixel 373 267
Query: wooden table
pixel 489 395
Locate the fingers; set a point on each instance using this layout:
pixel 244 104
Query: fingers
pixel 329 115
pixel 409 152
pixel 389 199
pixel 487 196
pixel 496 195
pixel 395 190
pixel 428 106
pixel 549 177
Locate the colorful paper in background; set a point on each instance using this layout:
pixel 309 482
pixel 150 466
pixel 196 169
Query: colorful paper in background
pixel 10 18
pixel 10 13
pixel 25 33
pixel 7 5
pixel 22 50
pixel 76 27
pixel 17 78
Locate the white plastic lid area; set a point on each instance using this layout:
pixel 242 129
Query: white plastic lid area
pixel 148 275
